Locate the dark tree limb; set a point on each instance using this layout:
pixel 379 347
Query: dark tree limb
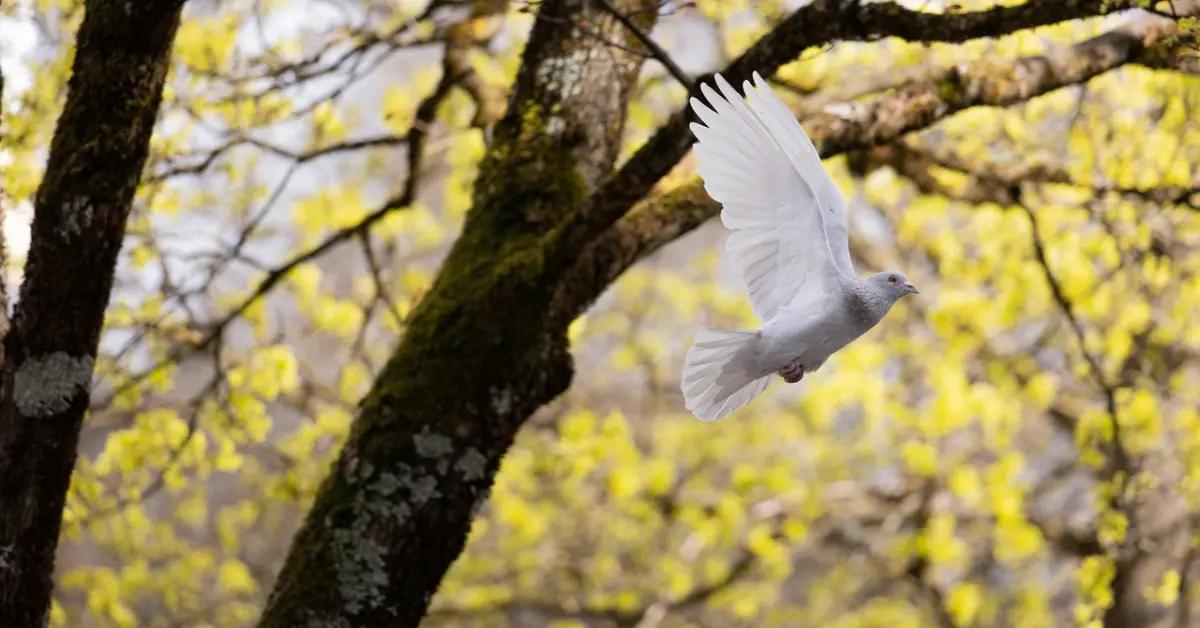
pixel 96 158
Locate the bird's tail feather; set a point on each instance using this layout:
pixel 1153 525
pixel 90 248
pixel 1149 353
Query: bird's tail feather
pixel 719 373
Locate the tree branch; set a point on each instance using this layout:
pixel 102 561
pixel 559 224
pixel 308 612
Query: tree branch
pixel 993 183
pixel 816 24
pixel 452 74
pixel 914 106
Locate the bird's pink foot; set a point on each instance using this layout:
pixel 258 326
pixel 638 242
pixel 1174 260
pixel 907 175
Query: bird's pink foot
pixel 792 372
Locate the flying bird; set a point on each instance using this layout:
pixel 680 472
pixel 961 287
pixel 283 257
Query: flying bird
pixel 788 242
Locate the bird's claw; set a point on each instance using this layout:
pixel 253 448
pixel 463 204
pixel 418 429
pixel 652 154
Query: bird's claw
pixel 792 372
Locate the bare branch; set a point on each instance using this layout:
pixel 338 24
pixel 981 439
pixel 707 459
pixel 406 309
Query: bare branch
pixel 415 138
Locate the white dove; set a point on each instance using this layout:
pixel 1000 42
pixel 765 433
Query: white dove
pixel 788 242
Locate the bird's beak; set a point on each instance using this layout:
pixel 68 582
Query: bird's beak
pixel 911 288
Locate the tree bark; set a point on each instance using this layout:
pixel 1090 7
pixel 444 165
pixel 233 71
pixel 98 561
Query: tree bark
pixel 80 209
pixel 480 353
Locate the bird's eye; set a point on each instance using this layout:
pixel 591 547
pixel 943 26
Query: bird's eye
pixel 891 280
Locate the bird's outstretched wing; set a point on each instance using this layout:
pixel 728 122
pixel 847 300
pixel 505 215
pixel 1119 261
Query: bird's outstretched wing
pixel 787 218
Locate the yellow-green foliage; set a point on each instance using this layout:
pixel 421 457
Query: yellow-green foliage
pixel 968 435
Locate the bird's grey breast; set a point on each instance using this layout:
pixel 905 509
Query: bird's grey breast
pixel 858 306
pixel 863 305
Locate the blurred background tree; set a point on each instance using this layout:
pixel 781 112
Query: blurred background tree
pixel 1020 446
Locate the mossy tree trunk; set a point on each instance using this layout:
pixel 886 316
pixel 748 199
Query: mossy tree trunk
pixel 96 159
pixel 481 352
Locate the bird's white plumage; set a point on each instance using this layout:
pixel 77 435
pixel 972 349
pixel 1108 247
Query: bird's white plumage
pixel 721 375
pixel 788 241
pixel 787 218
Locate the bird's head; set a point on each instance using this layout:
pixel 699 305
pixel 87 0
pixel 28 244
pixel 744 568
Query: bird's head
pixel 893 283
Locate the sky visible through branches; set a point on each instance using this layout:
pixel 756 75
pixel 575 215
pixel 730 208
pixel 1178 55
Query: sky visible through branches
pixel 1019 446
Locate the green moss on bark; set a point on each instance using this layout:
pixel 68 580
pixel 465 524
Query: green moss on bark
pixel 479 355
pixel 530 179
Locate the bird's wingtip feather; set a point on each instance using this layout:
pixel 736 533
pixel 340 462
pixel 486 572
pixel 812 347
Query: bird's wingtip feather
pixel 711 95
pixel 722 83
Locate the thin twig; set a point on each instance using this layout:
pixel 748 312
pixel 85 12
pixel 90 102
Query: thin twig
pixel 656 51
pixel 381 291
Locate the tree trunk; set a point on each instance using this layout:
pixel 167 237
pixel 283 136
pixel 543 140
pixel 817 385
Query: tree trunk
pixel 96 159
pixel 481 352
